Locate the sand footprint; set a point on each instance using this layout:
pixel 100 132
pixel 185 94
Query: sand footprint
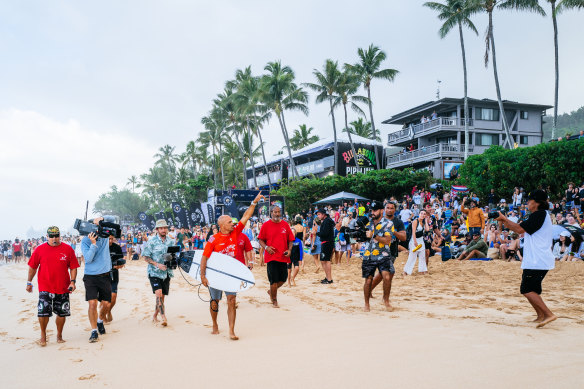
pixel 86 377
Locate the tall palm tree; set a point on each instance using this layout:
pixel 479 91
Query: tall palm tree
pixel 364 129
pixel 191 155
pixel 232 153
pixel 214 124
pixel 133 181
pixel 346 94
pixel 302 137
pixel 561 6
pixel 457 13
pixel 368 68
pixel 326 85
pixel 166 157
pixel 279 93
pixel 489 6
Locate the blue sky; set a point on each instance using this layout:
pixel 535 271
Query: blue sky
pixel 117 80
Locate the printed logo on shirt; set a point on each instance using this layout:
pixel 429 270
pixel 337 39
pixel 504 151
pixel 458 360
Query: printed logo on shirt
pixel 63 257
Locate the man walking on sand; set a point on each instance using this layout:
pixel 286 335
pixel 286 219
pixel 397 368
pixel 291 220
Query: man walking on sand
pixel 56 261
pixel 277 238
pixel 225 242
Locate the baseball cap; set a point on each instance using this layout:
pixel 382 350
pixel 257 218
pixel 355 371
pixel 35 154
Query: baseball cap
pixel 538 195
pixel 319 211
pixel 375 205
pixel 53 230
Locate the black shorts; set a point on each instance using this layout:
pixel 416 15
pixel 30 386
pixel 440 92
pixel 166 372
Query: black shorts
pixel 98 287
pixel 51 302
pixel 531 280
pixel 17 254
pixel 293 262
pixel 368 267
pixel 277 272
pixel 159 283
pixel 326 251
pixel 115 287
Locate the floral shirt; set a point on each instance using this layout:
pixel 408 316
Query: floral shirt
pixel 155 248
pixel 374 250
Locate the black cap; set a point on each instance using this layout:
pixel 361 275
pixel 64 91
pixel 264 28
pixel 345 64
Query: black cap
pixel 319 211
pixel 375 205
pixel 538 195
pixel 476 233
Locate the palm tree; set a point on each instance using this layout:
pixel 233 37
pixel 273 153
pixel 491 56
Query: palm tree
pixel 214 123
pixel 368 68
pixel 167 157
pixel 457 13
pixel 279 93
pixel 346 95
pixel 191 155
pixel 326 85
pixel 364 129
pixel 489 6
pixel 133 181
pixel 302 137
pixel 232 152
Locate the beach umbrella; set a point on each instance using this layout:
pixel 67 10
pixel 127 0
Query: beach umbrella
pixel 338 198
pixel 575 231
pixel 557 230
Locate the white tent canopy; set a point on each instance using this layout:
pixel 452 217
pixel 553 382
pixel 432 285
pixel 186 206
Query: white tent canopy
pixel 338 198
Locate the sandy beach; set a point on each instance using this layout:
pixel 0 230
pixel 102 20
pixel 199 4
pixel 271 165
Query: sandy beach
pixel 463 325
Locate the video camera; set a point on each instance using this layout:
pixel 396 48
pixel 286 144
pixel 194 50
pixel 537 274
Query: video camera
pixel 359 233
pixel 117 259
pixel 493 214
pixel 103 230
pixel 170 259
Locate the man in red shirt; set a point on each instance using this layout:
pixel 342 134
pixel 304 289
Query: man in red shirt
pixel 277 238
pixel 225 242
pixel 56 260
pixel 244 251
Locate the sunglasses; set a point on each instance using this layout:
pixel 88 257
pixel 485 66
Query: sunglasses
pixel 54 235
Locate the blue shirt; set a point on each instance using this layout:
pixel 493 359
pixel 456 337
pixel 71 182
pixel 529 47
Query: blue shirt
pixel 97 256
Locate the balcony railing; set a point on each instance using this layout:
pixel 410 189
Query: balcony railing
pixel 427 152
pixel 416 130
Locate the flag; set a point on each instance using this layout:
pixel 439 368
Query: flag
pixel 180 215
pixel 196 216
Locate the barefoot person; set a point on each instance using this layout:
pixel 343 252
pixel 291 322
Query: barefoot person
pixel 377 254
pixel 277 238
pixel 537 254
pixel 56 262
pixel 225 242
pixel 158 274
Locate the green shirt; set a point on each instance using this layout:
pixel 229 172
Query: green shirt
pixel 155 248
pixel 478 245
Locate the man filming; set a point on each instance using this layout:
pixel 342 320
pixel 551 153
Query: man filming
pixel 538 258
pixel 158 274
pixel 377 254
pixel 97 281
pixel 116 254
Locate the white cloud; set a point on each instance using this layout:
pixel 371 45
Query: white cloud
pixel 50 168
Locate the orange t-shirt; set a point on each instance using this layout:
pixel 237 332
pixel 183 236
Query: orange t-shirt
pixel 222 243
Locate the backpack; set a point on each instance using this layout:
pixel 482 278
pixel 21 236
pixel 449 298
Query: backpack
pixel 446 254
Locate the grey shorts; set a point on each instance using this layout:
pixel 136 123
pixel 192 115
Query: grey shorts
pixel 217 294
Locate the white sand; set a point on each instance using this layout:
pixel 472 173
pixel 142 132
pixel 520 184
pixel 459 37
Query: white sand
pixel 463 325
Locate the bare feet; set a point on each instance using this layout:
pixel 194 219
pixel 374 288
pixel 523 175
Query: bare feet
pixel 546 321
pixel 60 339
pixel 108 317
pixel 293 283
pixel 388 306
pixel 366 308
pixel 42 342
pixel 215 330
pixel 538 319
pixel 275 303
pixel 233 337
pixel 155 319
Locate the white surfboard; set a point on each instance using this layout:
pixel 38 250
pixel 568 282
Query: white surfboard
pixel 223 272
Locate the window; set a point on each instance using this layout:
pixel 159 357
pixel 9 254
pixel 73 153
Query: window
pixel 523 139
pixel 487 114
pixel 523 115
pixel 487 139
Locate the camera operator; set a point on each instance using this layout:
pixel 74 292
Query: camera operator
pixel 115 251
pixel 377 254
pixel 97 281
pixel 537 253
pixel 158 274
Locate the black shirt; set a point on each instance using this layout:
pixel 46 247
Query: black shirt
pixel 534 222
pixel 398 226
pixel 115 249
pixel 327 230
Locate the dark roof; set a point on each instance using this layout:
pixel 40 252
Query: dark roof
pixel 448 102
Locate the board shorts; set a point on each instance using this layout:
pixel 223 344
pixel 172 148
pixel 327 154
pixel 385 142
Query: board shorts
pixel 277 272
pixel 293 262
pixel 326 251
pixel 159 283
pixel 531 280
pixel 115 286
pixel 52 302
pixel 98 287
pixel 217 294
pixel 17 254
pixel 368 267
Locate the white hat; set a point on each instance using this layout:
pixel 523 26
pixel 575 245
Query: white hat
pixel 502 200
pixel 566 234
pixel 161 223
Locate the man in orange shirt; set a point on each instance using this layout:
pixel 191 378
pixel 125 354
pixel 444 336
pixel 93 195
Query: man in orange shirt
pixel 225 242
pixel 475 216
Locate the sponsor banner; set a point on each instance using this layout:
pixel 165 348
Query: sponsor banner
pixel 180 215
pixel 263 179
pixel 364 161
pixel 169 219
pixel 315 167
pixel 196 216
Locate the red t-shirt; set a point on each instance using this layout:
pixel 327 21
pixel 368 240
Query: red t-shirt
pixel 224 244
pixel 16 247
pixel 277 235
pixel 54 262
pixel 243 246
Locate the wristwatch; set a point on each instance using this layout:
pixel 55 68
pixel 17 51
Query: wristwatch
pixel 74 281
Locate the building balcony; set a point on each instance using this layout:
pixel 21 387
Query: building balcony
pixel 426 154
pixel 422 129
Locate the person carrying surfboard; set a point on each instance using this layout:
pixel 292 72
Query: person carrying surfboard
pixel 225 242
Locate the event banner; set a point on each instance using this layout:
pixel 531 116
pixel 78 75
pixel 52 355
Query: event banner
pixel 180 215
pixel 365 160
pixel 146 220
pixel 170 219
pixel 279 201
pixel 196 216
pixel 208 212
pixel 159 215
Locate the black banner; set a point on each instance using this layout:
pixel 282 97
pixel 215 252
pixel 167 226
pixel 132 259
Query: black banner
pixel 180 215
pixel 365 159
pixel 170 219
pixel 196 216
pixel 159 215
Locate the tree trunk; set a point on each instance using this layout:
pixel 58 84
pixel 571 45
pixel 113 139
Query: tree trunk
pixel 244 164
pixel 374 135
pixel 501 109
pixel 350 138
pixel 250 145
pixel 466 142
pixel 265 164
pixel 336 147
pixel 555 119
pixel 221 166
pixel 285 132
pixel 214 175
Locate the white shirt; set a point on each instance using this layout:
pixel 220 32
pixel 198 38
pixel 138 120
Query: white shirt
pixel 537 252
pixel 405 215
